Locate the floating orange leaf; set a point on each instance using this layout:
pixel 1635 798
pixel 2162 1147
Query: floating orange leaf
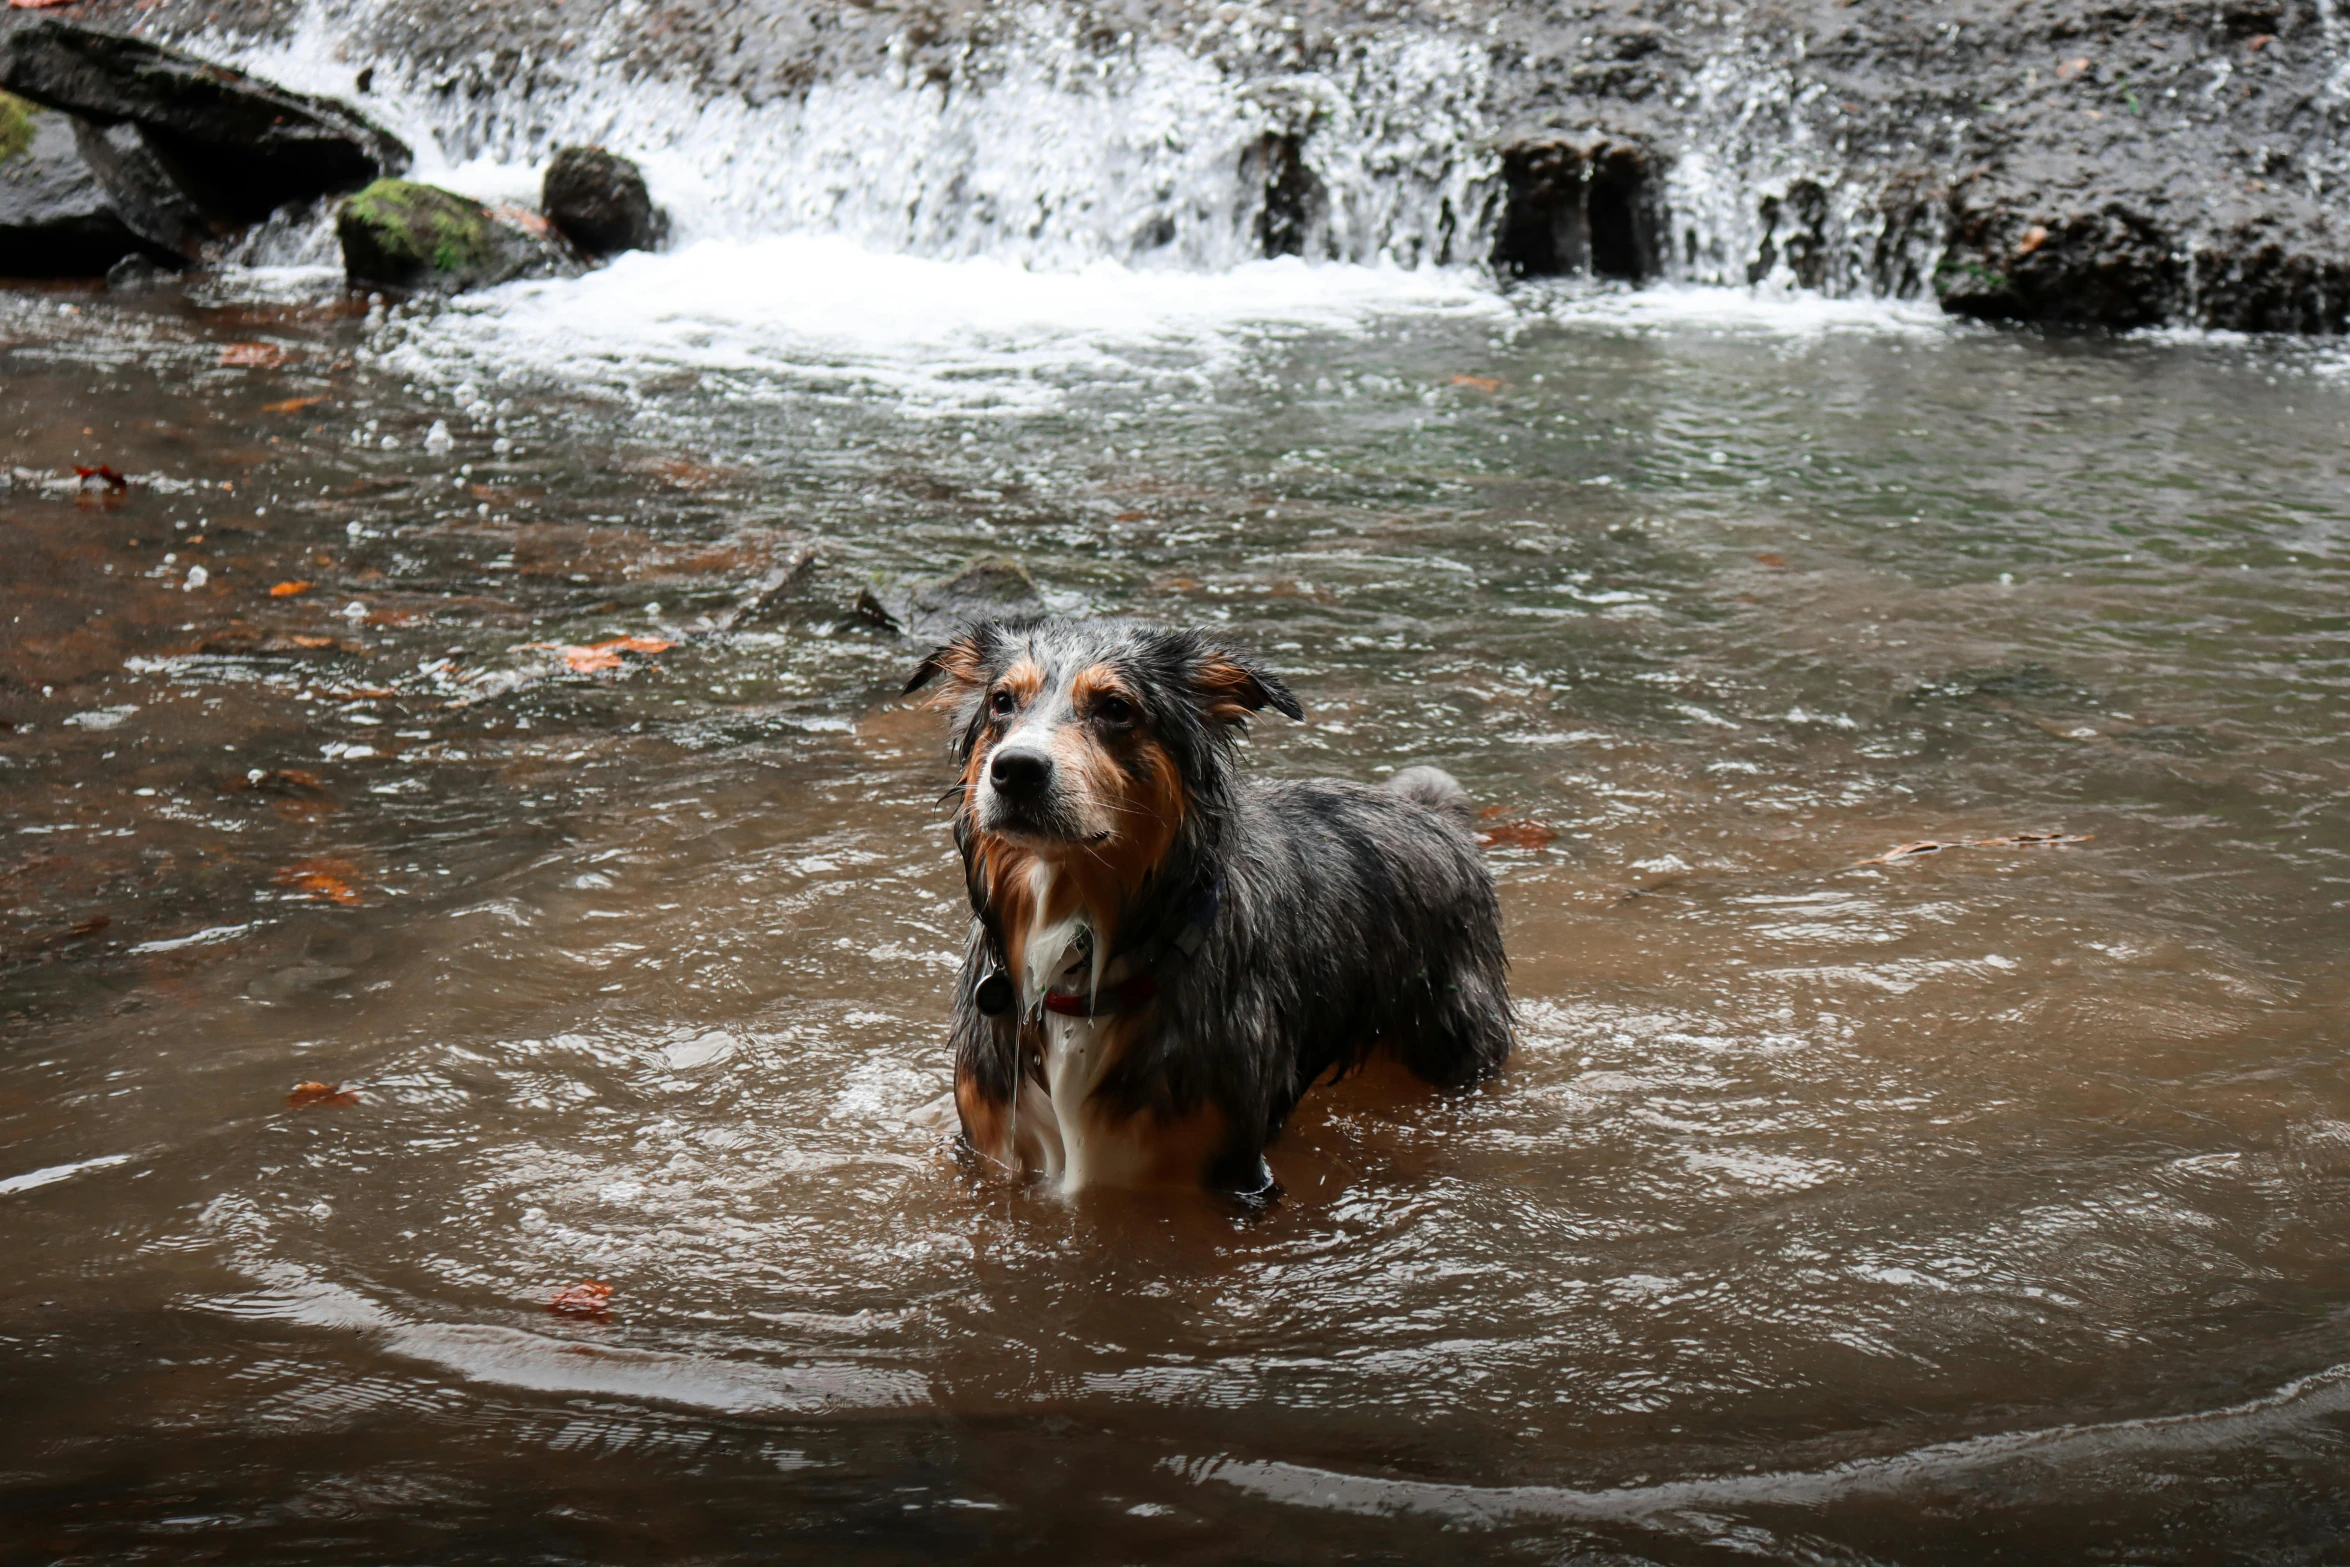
pixel 606 655
pixel 2033 238
pixel 2072 68
pixel 333 1095
pixel 1772 559
pixel 1482 383
pixel 253 356
pixel 286 590
pixel 329 880
pixel 587 1298
pixel 103 474
pixel 291 405
pixel 89 927
pixel 1523 833
pixel 36 5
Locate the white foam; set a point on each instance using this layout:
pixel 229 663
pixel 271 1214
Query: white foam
pixel 978 332
pixel 1765 309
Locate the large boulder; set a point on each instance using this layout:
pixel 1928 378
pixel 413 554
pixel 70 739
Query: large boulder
pixel 56 219
pixel 151 203
pixel 238 147
pixel 598 201
pixel 413 238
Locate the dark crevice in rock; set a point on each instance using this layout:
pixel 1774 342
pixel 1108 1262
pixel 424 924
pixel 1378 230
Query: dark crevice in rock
pixel 1292 199
pixel 1570 208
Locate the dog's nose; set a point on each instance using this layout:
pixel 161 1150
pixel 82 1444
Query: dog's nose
pixel 1020 773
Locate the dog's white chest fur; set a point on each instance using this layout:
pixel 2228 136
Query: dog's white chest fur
pixel 1063 956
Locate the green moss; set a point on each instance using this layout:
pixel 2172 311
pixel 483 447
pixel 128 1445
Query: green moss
pixel 16 126
pixel 423 226
pixel 1954 276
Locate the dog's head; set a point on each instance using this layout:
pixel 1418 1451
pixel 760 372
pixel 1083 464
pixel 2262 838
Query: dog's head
pixel 1093 737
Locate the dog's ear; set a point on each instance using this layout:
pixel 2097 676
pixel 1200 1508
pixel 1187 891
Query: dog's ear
pixel 963 661
pixel 1230 686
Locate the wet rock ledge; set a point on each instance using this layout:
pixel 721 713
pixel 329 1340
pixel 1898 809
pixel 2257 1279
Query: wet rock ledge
pixel 2077 162
pixel 113 147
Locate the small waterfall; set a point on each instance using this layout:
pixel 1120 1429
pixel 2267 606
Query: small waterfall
pixel 1040 136
pixel 1055 146
pixel 1052 149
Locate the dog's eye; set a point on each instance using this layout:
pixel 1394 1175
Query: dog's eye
pixel 1001 704
pixel 1114 711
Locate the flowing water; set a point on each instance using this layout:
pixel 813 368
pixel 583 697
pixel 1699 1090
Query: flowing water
pixel 1984 1202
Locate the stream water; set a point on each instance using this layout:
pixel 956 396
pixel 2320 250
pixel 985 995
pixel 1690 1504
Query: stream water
pixel 1980 1203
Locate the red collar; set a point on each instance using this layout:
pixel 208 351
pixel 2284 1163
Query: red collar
pixel 1128 996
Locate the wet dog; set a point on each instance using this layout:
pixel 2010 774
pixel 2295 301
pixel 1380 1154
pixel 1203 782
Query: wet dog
pixel 1164 956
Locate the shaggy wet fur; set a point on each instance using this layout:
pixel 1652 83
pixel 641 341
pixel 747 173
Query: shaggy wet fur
pixel 1099 812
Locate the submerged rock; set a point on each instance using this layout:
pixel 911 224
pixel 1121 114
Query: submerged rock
pixel 415 238
pixel 989 588
pixel 56 219
pixel 238 148
pixel 598 201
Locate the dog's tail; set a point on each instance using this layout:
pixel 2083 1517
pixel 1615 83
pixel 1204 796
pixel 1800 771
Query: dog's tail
pixel 1438 790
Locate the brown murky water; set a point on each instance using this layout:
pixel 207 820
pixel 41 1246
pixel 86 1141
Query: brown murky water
pixel 1982 1203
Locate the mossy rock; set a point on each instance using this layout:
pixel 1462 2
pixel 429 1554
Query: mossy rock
pixel 415 238
pixel 57 219
pixel 16 126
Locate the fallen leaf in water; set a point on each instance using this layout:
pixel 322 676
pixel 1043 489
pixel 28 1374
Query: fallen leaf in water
pixel 2072 68
pixel 1909 851
pixel 286 590
pixel 523 218
pixel 329 880
pixel 334 1095
pixel 606 655
pixel 2034 238
pixel 2031 840
pixel 1772 559
pixel 1482 383
pixel 1132 516
pixel 253 356
pixel 587 1298
pixel 276 780
pixel 292 405
pixel 89 927
pixel 2021 840
pixel 103 474
pixel 303 641
pixel 687 474
pixel 35 5
pixel 1523 833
